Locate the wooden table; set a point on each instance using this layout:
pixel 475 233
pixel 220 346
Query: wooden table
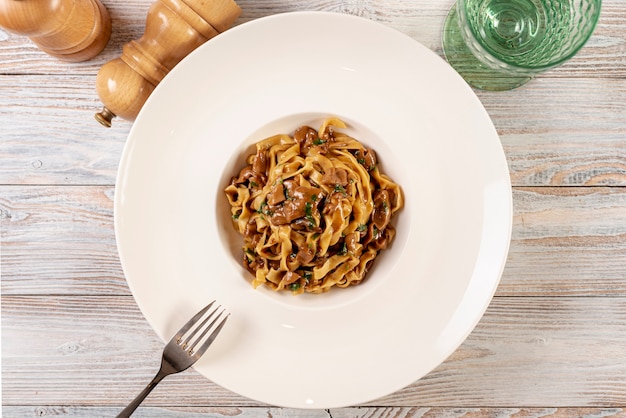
pixel 553 341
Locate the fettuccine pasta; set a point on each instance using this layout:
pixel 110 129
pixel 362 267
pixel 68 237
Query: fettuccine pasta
pixel 314 210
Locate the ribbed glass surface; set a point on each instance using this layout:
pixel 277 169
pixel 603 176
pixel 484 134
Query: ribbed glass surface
pixel 531 34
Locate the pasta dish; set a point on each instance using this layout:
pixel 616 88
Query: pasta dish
pixel 314 209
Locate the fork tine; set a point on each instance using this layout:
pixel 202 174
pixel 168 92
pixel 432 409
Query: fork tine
pixel 197 328
pixel 176 357
pixel 192 321
pixel 206 329
pixel 211 337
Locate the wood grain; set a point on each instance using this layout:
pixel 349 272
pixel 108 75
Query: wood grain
pixel 172 31
pixel 546 140
pixel 361 412
pixel 59 240
pixel 73 350
pixel 565 241
pixel 551 344
pixel 545 344
pixel 603 56
pixel 75 30
pixel 49 134
pixel 562 132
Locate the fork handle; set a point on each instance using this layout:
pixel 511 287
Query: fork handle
pixel 128 411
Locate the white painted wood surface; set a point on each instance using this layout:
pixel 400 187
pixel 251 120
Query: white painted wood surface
pixel 552 343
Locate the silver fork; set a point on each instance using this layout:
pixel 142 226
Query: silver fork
pixel 180 353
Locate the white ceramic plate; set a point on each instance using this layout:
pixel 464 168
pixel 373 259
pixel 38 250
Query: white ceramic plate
pixel 432 135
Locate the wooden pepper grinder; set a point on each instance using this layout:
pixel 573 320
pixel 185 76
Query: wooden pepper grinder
pixel 71 30
pixel 174 28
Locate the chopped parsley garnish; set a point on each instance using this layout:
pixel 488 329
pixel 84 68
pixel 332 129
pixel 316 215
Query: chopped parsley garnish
pixel 264 209
pixel 318 141
pixel 361 228
pixel 340 189
pixel 294 286
pixel 308 211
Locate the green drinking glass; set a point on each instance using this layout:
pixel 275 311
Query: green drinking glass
pixel 501 44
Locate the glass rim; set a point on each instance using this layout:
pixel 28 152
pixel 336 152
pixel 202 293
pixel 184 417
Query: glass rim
pixel 460 5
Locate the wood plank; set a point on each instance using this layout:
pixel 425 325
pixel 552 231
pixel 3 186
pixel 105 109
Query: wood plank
pixel 546 140
pixel 84 350
pixel 362 412
pixel 49 134
pixel 161 412
pixel 534 352
pixel 562 132
pixel 603 56
pixel 98 351
pixel 552 343
pixel 421 412
pixel 59 240
pixel 566 241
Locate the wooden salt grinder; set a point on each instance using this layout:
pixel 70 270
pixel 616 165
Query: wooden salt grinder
pixel 71 30
pixel 174 28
